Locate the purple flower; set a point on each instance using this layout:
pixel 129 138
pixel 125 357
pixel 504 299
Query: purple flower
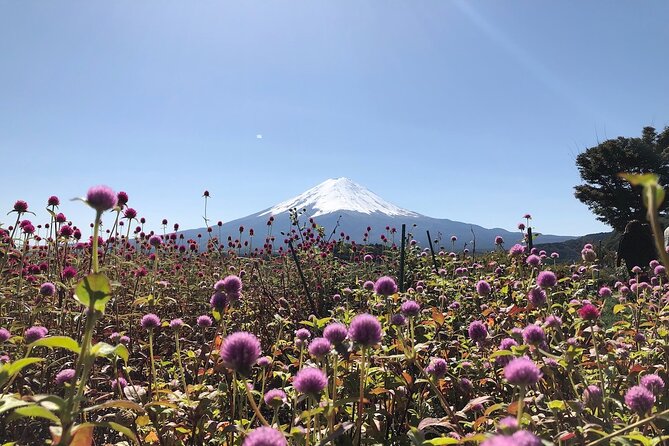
pixel 319 347
pixel 232 285
pixel 265 436
pixel 122 198
pixel 659 270
pixel 589 312
pixel 4 335
pixel 20 206
pixel 398 320
pixel 118 382
pixel 553 321
pixel 639 399
pixel 385 286
pixel 533 335
pixel 47 289
pixel 176 323
pixel 150 321
pixel 604 292
pixel 264 361
pixel 302 334
pixel 368 285
pixel 155 241
pixel 365 330
pixel 483 288
pixel 275 398
pixel 335 333
pixel 546 279
pixel 520 438
pixel 653 383
pixel 522 372
pixel 204 321
pixel 517 249
pixel 101 198
pixel 410 308
pixel 537 297
pixel 436 368
pixel 240 351
pixel 477 331
pixel 533 260
pixel 499 240
pixel 592 396
pixel 64 376
pixel 218 301
pixel 310 380
pixel 33 334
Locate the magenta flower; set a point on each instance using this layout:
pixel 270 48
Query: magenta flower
pixel 319 347
pixel 310 381
pixel 101 198
pixel 302 334
pixel 335 333
pixel 365 330
pixel 477 331
pixel 155 241
pixel 410 308
pixel 483 288
pixel 589 312
pixel 4 335
pixel 639 399
pixel 436 368
pixel 593 396
pixel 546 279
pixel 33 334
pixel 275 398
pixel 53 201
pixel 204 321
pixel 264 436
pixel 20 206
pixel 533 260
pixel 231 284
pixel 176 323
pixel 533 335
pixel 47 289
pixel 240 351
pixel 150 321
pixel 522 372
pixel 385 286
pixel 537 297
pixel 653 383
pixel 64 376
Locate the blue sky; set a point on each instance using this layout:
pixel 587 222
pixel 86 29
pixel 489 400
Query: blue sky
pixel 473 111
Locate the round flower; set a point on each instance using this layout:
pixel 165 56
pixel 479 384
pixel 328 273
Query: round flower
pixel 33 334
pixel 150 321
pixel 118 382
pixel 398 320
pixel 639 399
pixel 4 335
pixel 592 396
pixel 319 347
pixel 436 368
pixel 240 351
pixel 410 308
pixel 553 321
pixel 519 438
pixel 477 331
pixel 20 206
pixel 47 289
pixel 499 240
pixel 365 330
pixel 522 372
pixel 589 312
pixel 122 198
pixel 385 286
pixel 176 323
pixel 310 380
pixel 204 321
pixel 517 250
pixel 533 260
pixel 101 198
pixel 64 376
pixel 53 201
pixel 546 279
pixel 302 334
pixel 265 436
pixel 659 270
pixel 232 285
pixel 537 297
pixel 533 335
pixel 604 292
pixel 508 424
pixel 155 241
pixel 264 361
pixel 218 300
pixel 653 383
pixel 335 333
pixel 368 285
pixel 275 398
pixel 483 288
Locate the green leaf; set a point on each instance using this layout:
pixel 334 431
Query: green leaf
pixel 95 289
pixel 501 353
pixel 7 371
pixel 65 342
pixel 618 308
pixel 122 404
pixel 104 349
pixel 442 440
pixel 8 402
pixel 35 411
pixel 557 405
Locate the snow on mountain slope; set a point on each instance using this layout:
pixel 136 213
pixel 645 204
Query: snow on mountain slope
pixel 340 194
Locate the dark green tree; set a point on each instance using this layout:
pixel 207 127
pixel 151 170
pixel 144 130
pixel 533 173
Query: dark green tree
pixel 607 195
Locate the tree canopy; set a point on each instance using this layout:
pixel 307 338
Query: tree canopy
pixel 612 199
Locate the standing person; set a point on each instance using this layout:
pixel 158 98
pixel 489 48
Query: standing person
pixel 636 246
pixel 666 238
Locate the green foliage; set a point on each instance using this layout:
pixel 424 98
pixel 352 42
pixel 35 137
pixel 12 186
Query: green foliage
pixel 614 200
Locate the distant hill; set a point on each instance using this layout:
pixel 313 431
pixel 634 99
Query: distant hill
pixel 570 250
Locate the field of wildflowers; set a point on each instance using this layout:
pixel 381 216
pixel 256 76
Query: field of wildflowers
pixel 145 338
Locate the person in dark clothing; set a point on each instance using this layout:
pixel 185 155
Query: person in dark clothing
pixel 636 246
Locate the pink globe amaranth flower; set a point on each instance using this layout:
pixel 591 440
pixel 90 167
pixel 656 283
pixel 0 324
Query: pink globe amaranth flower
pixel 130 213
pixel 365 329
pixel 218 301
pixel 264 361
pixel 604 292
pixel 519 438
pixel 546 279
pixel 368 285
pixel 69 272
pixel 240 351
pixel 176 323
pixel 537 297
pixel 319 347
pixel 4 335
pixel 588 254
pixel 155 241
pixel 310 381
pixel 53 201
pixel 204 321
pixel 275 398
pixel 150 321
pixel 118 382
pixel 553 321
pixel 122 198
pixel 589 312
pixel 508 425
pixel 64 376
pixel 593 396
pixel 505 344
pixel 398 320
pixel 477 331
pixel 522 372
pixel 47 289
pixel 385 286
pixel 101 198
pixel 534 335
pixel 653 383
pixel 483 288
pixel 302 334
pixel 637 270
pixel 437 367
pixel 659 270
pixel 533 260
pixel 639 399
pixel 499 240
pixel 410 308
pixel 33 334
pixel 516 250
pixel 335 333
pixel 20 206
pixel 265 436
pixel 125 340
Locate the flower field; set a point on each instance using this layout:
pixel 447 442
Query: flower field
pixel 120 336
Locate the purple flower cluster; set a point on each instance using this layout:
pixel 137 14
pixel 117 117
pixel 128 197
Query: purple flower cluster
pixel 310 381
pixel 240 351
pixel 385 286
pixel 265 436
pixel 365 330
pixel 522 372
pixel 477 331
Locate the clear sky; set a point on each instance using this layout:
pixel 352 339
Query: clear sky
pixel 468 110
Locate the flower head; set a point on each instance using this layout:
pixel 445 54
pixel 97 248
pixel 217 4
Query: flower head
pixel 302 334
pixel 310 380
pixel 64 376
pixel 319 347
pixel 522 372
pixel 593 396
pixel 639 399
pixel 101 198
pixel 483 288
pixel 537 297
pixel 589 312
pixel 653 383
pixel 335 333
pixel 47 289
pixel 410 308
pixel 519 438
pixel 155 241
pixel 275 398
pixel 53 201
pixel 265 436
pixel 365 330
pixel 385 286
pixel 546 279
pixel 534 335
pixel 204 321
pixel 436 368
pixel 240 351
pixel 33 334
pixel 477 331
pixel 150 321
pixel 20 206
pixel 4 335
pixel 176 323
pixel 232 285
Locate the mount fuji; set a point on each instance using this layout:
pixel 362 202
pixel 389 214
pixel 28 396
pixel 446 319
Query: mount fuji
pixel 342 206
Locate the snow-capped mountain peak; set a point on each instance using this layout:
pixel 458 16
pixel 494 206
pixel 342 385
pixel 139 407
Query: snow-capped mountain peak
pixel 339 194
